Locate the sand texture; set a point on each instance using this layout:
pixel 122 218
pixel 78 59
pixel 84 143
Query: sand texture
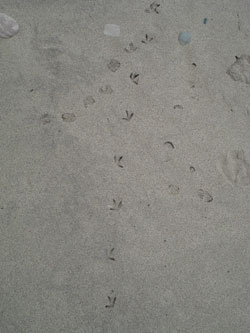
pixel 125 167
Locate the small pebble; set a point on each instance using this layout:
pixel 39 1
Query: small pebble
pixel 184 38
pixel 8 26
pixel 112 30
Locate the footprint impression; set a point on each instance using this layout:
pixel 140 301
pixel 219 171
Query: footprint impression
pixel 235 168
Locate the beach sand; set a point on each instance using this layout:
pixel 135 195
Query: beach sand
pixel 125 168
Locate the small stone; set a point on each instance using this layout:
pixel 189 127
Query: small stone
pixel 114 65
pixel 68 117
pixel 8 26
pixel 184 38
pixel 112 30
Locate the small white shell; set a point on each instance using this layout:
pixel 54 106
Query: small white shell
pixel 8 26
pixel 112 30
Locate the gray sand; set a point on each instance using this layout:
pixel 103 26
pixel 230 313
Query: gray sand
pixel 125 225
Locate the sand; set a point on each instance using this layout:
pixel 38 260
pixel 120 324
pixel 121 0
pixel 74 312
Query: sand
pixel 125 168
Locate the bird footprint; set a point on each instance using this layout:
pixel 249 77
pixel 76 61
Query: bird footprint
pixel 129 116
pixel 118 161
pixel 116 205
pixel 112 300
pixel 131 48
pixel 134 78
pixel 110 254
pixel 153 8
pixel 147 39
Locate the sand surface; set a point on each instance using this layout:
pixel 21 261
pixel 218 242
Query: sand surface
pixel 128 225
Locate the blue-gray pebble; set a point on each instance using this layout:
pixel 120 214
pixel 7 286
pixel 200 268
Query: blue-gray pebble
pixel 184 38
